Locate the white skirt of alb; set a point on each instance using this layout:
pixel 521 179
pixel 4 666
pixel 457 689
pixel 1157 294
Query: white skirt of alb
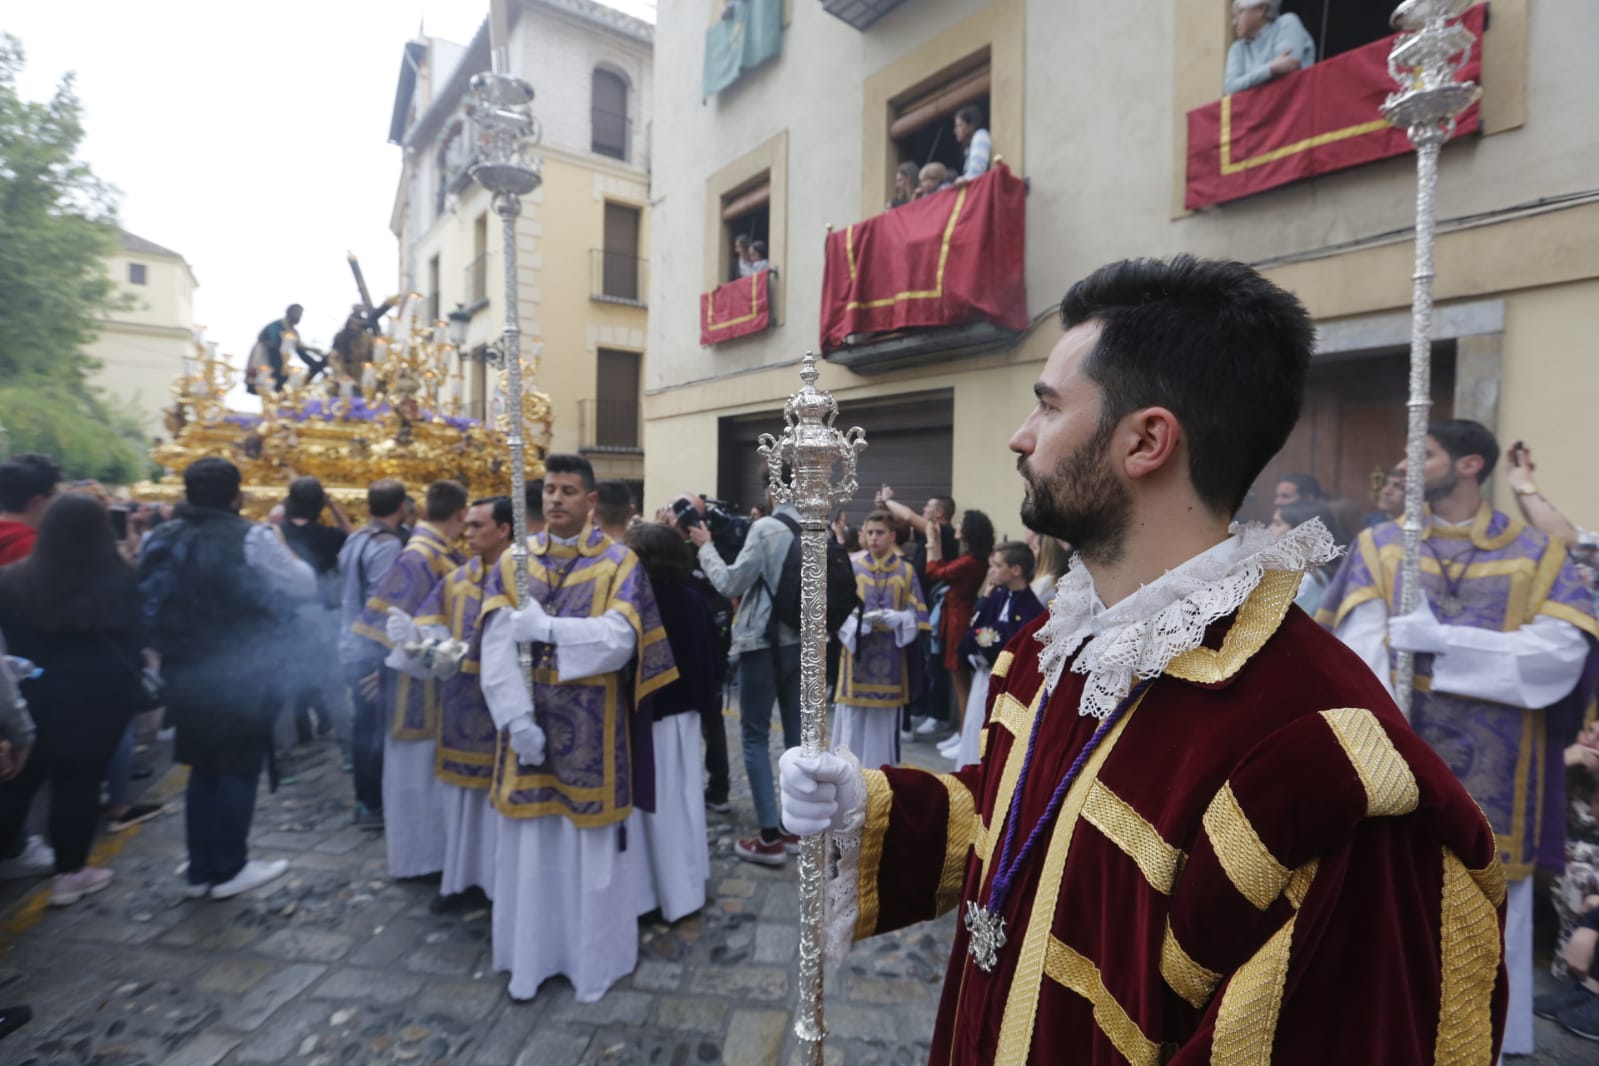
pixel 673 840
pixel 972 723
pixel 470 830
pixel 870 733
pixel 413 811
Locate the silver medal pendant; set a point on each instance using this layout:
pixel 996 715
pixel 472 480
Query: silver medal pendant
pixel 1451 606
pixel 988 936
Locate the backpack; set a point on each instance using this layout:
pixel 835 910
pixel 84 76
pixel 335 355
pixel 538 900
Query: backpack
pixel 842 597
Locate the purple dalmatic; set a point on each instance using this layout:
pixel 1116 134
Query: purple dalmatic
pixel 877 673
pixel 420 566
pixel 1498 574
pixel 467 736
pixel 599 761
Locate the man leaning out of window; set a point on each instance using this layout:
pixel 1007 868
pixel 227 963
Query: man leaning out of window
pixel 1269 44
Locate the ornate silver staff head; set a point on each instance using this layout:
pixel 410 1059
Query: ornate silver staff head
pixel 812 447
pixel 1426 63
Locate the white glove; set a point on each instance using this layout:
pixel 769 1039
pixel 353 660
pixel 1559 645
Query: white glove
pixel 1418 632
pixel 532 622
pixel 401 628
pixel 821 792
pixel 874 620
pixel 527 740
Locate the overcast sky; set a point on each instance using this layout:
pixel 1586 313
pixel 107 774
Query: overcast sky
pixel 252 138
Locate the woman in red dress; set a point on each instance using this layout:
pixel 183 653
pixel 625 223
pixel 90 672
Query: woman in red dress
pixel 964 575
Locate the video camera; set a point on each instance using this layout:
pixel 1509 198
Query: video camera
pixel 728 528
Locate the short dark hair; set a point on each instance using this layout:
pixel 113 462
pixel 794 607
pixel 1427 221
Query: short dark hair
pixel 533 494
pixel 1461 437
pixel 306 498
pixel 947 505
pixel 26 477
pixel 972 115
pixel 385 497
pixel 445 499
pixel 503 514
pixel 614 503
pixel 759 248
pixel 978 533
pixel 1309 488
pixel 666 559
pixel 881 517
pixel 563 463
pixel 211 482
pixel 293 307
pixel 1214 342
pixel 1015 553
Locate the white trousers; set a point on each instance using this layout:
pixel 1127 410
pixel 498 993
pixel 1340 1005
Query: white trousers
pixel 413 812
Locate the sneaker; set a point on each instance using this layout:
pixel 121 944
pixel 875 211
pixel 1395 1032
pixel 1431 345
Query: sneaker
pixel 754 849
pixel 790 842
pixel 928 727
pixel 196 891
pixel 720 806
pixel 1582 1019
pixel 36 860
pixel 367 818
pixel 949 744
pixel 907 734
pixel 256 873
pixel 69 888
pixel 1551 1004
pixel 134 815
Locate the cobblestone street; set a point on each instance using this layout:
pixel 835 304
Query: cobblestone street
pixel 338 964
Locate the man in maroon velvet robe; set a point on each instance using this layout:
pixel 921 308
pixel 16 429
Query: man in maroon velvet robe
pixel 1200 830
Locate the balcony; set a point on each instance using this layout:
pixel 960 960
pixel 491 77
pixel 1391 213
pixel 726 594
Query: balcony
pixel 859 13
pixel 617 277
pixel 609 426
pixel 933 281
pixel 1314 121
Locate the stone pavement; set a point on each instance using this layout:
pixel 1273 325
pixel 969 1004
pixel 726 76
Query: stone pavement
pixel 338 964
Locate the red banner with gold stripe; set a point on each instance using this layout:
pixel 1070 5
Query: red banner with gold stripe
pixel 947 259
pixel 736 309
pixel 1313 121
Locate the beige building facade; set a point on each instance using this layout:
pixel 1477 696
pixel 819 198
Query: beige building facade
pixel 141 347
pixel 582 236
pixel 1088 102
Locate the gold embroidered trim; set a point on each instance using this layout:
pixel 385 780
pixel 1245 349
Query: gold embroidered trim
pixel 1161 863
pixel 1491 881
pixel 1246 1022
pixel 1390 784
pixel 1194 982
pixel 1021 1004
pixel 1007 788
pixel 1250 865
pixel 1469 965
pixel 1072 970
pixel 1299 882
pixel 879 802
pixel 1256 620
pixel 1002 664
pixel 1015 716
pixel 958 842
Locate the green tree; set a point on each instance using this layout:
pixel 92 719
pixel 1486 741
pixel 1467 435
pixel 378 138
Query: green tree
pixel 58 222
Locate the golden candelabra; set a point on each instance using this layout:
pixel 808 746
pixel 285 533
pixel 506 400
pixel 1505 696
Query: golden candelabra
pixel 402 418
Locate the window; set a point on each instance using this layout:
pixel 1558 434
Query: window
pixel 431 307
pixel 620 269
pixel 923 123
pixel 608 115
pixel 1342 26
pixel 746 213
pixel 477 272
pixel 137 274
pixel 616 405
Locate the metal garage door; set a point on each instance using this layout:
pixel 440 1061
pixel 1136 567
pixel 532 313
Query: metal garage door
pixel 910 442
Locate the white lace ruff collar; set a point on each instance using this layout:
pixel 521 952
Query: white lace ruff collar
pixel 1139 636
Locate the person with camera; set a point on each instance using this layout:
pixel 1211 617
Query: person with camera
pixel 72 609
pixel 768 659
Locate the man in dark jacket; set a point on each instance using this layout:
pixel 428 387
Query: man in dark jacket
pixel 217 592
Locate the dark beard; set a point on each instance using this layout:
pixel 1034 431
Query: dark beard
pixel 1082 503
pixel 1442 488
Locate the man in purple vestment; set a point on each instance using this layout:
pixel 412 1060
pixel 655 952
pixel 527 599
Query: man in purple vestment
pixel 1501 637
